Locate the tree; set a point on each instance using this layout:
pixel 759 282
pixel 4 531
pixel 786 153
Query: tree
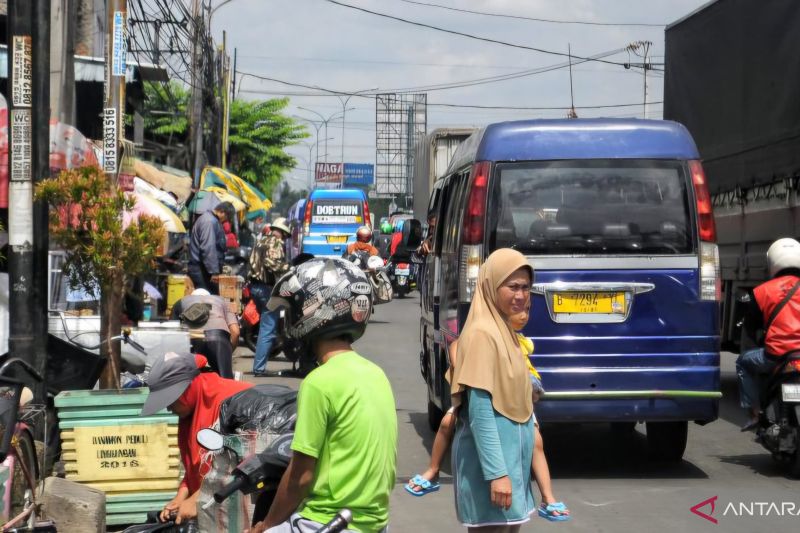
pixel 259 131
pixel 287 198
pixel 86 220
pixel 259 134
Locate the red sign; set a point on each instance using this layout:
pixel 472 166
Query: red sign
pixel 328 173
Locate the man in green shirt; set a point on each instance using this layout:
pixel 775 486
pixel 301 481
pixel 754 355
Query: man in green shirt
pixel 345 441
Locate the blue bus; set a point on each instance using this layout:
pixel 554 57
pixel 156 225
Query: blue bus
pixel 332 217
pixel 616 220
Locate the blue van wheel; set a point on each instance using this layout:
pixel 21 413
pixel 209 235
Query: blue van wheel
pixel 435 416
pixel 666 441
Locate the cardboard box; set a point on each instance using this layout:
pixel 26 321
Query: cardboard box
pixel 230 289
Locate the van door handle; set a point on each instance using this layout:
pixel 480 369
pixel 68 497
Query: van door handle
pixel 592 286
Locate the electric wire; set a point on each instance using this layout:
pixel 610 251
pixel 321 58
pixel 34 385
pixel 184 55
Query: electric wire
pixel 534 19
pixel 467 35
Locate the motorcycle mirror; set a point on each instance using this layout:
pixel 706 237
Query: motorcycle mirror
pixel 210 439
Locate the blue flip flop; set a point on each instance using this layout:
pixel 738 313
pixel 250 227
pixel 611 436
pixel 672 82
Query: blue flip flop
pixel 423 483
pixel 548 512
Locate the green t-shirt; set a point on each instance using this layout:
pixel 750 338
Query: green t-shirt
pixel 346 419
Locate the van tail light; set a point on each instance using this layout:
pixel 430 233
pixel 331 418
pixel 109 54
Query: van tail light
pixel 367 221
pixel 307 218
pixel 710 280
pixel 472 231
pixel 705 213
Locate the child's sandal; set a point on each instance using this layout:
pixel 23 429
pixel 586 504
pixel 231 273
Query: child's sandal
pixel 555 512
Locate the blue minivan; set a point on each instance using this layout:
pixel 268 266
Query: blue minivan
pixel 616 220
pixel 332 217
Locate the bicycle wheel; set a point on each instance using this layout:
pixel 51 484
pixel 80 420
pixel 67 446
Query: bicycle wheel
pixel 25 452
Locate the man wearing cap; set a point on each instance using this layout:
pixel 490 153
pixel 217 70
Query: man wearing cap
pixel 207 247
pixel 179 383
pixel 267 265
pixel 217 336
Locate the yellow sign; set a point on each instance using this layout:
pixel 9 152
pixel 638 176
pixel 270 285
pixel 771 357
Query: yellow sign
pixel 589 302
pixel 122 452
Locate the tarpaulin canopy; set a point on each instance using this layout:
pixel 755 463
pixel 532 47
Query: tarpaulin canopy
pixel 257 202
pixel 180 186
pixel 209 198
pixel 147 205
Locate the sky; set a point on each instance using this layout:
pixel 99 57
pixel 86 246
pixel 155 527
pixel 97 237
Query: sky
pixel 318 43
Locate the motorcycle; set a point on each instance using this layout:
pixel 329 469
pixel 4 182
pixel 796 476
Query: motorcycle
pixel 260 473
pixel 375 270
pixel 400 276
pixel 779 424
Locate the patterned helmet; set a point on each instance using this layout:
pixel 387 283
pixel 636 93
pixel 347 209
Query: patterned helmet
pixel 386 227
pixel 324 299
pixel 364 234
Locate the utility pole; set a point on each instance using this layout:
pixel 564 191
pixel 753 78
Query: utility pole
pixel 116 66
pixel 116 55
pixel 196 122
pixel 20 188
pixel 41 170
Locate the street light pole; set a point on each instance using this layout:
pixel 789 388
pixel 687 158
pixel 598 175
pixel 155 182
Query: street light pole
pixel 344 110
pixel 324 121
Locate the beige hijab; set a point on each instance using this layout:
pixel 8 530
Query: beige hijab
pixel 488 351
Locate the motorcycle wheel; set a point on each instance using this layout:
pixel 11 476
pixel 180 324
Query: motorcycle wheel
pixel 402 290
pixel 794 469
pixel 250 336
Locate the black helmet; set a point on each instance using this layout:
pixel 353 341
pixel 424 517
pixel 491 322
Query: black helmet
pixel 324 299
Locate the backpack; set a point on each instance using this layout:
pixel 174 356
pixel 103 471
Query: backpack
pixel 196 315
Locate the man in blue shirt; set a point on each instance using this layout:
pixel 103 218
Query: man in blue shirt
pixel 207 247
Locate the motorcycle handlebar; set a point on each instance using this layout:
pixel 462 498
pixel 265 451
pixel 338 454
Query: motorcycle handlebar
pixel 229 489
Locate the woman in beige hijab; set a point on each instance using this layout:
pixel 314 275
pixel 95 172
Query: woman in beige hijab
pixel 493 445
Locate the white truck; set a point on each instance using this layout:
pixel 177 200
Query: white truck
pixel 432 155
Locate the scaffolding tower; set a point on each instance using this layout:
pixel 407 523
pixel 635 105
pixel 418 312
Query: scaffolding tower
pixel 401 120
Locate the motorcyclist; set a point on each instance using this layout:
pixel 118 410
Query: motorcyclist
pixel 328 303
pixel 771 324
pixel 363 242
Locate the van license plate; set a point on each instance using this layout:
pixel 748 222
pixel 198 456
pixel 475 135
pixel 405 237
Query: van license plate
pixel 609 303
pixel 791 392
pixel 336 239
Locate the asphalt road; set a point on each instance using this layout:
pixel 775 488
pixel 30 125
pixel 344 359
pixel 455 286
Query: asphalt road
pixel 607 481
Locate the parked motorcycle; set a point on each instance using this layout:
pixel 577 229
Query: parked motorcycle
pixel 779 425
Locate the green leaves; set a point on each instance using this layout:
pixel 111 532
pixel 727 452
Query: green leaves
pixel 258 136
pixel 87 220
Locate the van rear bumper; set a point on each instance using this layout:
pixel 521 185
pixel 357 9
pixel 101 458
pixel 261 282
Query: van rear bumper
pixel 629 406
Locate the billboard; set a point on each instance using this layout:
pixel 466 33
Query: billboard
pixel 359 174
pixel 328 175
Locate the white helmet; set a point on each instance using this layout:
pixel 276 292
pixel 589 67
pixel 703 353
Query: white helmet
pixel 783 254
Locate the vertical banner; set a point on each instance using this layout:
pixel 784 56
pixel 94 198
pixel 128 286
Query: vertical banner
pixel 110 143
pixel 20 192
pixel 119 46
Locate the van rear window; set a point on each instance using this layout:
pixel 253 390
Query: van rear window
pixel 337 212
pixel 591 207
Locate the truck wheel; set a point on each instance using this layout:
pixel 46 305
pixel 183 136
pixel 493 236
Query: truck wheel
pixel 434 416
pixel 620 429
pixel 666 441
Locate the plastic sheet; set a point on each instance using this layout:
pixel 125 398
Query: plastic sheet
pixel 263 408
